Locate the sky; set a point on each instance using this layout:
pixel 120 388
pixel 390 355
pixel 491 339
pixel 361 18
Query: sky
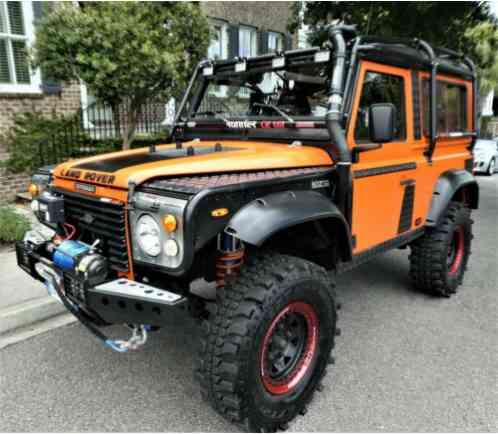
pixel 494 7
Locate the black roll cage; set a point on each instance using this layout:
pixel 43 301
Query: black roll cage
pixel 415 54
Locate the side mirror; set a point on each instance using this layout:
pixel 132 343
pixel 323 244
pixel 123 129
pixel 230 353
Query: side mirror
pixel 381 122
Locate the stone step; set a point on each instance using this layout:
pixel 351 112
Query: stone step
pixel 24 196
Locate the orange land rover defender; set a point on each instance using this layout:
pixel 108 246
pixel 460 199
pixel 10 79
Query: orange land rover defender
pixel 281 170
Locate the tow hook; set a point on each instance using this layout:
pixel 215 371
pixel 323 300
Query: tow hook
pixel 137 339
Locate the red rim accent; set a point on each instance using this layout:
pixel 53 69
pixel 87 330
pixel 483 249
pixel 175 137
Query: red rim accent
pixel 286 385
pixel 459 239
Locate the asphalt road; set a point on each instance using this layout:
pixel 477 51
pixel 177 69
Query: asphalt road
pixel 405 362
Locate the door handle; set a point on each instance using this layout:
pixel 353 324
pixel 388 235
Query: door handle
pixel 407 182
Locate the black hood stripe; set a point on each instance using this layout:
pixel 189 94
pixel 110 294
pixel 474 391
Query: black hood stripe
pixel 111 165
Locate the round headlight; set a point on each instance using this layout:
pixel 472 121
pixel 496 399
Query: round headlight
pixel 148 235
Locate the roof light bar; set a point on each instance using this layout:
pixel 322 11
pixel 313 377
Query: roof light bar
pixel 322 56
pixel 278 62
pixel 241 66
pixel 208 70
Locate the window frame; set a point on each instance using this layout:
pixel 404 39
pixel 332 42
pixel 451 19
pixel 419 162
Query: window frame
pixel 278 37
pixel 364 68
pixel 35 76
pixel 223 26
pixel 253 40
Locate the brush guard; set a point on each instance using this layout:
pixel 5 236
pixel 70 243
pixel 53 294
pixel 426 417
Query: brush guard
pixel 120 301
pixel 53 282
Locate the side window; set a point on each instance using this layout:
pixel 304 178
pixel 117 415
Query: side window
pixel 451 116
pixel 381 88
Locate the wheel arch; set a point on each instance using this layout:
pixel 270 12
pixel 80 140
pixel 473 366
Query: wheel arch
pixel 271 220
pixel 453 185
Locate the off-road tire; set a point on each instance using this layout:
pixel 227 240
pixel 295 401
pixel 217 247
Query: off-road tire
pixel 439 258
pixel 230 369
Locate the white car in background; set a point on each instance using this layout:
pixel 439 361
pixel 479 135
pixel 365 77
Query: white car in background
pixel 486 156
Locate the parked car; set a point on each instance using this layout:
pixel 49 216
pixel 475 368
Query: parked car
pixel 486 156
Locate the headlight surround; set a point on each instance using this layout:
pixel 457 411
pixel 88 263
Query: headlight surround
pixel 39 183
pixel 158 207
pixel 148 235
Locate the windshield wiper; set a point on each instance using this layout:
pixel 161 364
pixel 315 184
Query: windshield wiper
pixel 274 107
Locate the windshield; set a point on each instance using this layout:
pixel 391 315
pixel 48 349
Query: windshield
pixel 286 94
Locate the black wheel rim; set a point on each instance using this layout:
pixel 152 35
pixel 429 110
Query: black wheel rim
pixel 286 345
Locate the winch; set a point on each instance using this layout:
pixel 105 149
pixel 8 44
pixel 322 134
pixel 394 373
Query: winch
pixel 81 262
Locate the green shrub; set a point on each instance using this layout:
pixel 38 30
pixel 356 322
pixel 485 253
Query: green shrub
pixel 36 140
pixel 13 225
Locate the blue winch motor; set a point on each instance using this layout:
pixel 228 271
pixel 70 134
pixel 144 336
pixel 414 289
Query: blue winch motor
pixel 67 253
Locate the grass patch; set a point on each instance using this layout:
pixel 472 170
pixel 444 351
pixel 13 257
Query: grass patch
pixel 13 225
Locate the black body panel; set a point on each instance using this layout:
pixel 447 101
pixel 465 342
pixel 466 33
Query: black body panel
pixel 201 227
pixel 264 217
pixel 111 165
pixel 406 215
pixel 448 184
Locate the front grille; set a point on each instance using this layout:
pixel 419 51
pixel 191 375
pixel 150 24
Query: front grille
pixel 98 220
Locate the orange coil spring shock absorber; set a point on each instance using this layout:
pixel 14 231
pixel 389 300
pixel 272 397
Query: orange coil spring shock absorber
pixel 231 259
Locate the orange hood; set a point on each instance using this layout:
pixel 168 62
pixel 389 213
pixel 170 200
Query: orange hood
pixel 119 168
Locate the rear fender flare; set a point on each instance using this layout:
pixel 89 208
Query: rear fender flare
pixel 257 221
pixel 447 187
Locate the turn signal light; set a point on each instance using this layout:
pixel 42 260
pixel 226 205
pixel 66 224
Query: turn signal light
pixel 34 190
pixel 219 212
pixel 169 223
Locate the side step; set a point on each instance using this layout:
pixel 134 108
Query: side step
pixel 124 301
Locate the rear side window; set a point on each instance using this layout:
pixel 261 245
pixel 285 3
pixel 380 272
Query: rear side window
pixel 451 111
pixel 381 88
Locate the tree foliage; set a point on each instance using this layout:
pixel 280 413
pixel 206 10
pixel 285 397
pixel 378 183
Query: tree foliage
pixel 440 23
pixel 464 26
pixel 126 52
pixel 484 40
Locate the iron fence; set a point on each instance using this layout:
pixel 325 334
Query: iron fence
pixel 99 129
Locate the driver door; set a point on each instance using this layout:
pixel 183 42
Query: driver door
pixel 383 179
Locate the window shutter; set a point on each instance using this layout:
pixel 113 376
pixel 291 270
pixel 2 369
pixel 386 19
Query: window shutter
pixel 21 65
pixel 233 41
pixel 4 63
pixel 48 86
pixel 263 43
pixel 287 42
pixel 16 20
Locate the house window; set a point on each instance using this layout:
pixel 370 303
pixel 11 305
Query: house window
pixel 247 41
pixel 16 35
pixel 451 112
pixel 218 48
pixel 275 42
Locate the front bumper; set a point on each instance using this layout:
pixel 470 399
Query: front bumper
pixel 118 301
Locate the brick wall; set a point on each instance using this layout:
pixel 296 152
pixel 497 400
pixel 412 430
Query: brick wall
pixel 67 102
pixel 273 16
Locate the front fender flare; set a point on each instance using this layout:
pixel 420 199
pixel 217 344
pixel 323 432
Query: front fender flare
pixel 447 186
pixel 259 220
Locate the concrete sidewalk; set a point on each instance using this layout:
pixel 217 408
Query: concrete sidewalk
pixel 23 300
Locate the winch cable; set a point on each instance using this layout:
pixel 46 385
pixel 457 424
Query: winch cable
pixel 139 334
